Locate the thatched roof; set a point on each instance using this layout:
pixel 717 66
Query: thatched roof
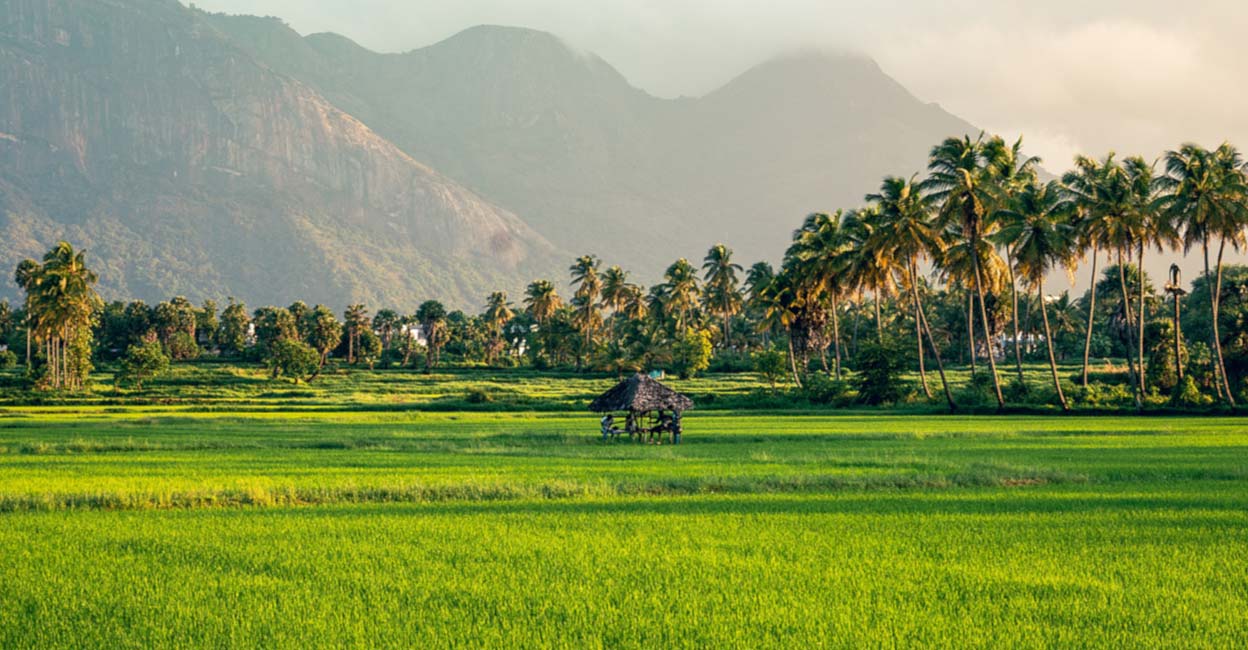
pixel 640 393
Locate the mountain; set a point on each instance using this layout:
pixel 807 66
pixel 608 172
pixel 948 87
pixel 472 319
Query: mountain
pixel 597 165
pixel 138 131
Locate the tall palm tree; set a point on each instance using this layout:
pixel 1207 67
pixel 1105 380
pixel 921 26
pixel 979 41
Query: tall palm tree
pixel 723 292
pixel 432 318
pixel 963 182
pixel 682 292
pixel 824 252
pixel 588 283
pixel 60 302
pixel 779 312
pixel 356 317
pixel 1016 171
pixel 1105 192
pixel 1204 194
pixel 906 237
pixel 1085 189
pixel 498 312
pixel 615 293
pixel 862 270
pixel 541 301
pixel 1042 239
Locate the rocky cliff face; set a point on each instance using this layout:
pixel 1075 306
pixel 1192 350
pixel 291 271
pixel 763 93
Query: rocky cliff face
pixel 185 166
pixel 597 165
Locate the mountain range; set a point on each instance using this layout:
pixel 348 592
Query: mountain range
pixel 211 155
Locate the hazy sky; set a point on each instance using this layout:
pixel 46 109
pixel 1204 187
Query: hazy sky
pixel 1072 76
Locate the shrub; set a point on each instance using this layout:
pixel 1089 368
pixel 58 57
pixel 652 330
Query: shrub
pixel 478 396
pixel 821 389
pixel 141 363
pixel 8 360
pixel 879 374
pixel 1187 393
pixel 293 359
pixel 771 363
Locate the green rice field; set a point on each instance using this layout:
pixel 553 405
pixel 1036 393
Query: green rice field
pixel 341 516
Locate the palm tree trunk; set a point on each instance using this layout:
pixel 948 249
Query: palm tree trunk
pixel 970 328
pixel 918 328
pixel 1130 315
pixel 797 380
pixel 1048 341
pixel 1087 341
pixel 1213 309
pixel 857 320
pixel 983 317
pixel 940 365
pixel 1140 338
pixel 879 321
pixel 836 338
pixel 28 366
pixel 1018 353
pixel 1217 337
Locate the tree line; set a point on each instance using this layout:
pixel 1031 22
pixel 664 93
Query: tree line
pixel 955 261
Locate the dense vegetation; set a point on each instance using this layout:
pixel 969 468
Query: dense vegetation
pixel 832 320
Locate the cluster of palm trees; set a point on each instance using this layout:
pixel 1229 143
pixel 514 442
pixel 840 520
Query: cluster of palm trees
pixel 985 220
pixel 60 302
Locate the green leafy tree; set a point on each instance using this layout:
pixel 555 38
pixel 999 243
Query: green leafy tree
pixel 291 358
pixel 141 363
pixel 691 353
pixel 770 363
pixel 233 329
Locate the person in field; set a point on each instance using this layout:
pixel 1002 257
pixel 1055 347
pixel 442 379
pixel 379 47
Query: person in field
pixel 609 429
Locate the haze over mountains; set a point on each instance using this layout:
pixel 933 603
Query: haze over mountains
pixel 210 156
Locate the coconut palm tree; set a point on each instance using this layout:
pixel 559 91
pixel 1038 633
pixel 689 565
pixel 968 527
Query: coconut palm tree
pixel 1015 172
pixel 498 312
pixel 356 317
pixel 1106 192
pixel 963 182
pixel 865 270
pixel 723 288
pixel 541 301
pixel 588 283
pixel 1203 193
pixel 615 293
pixel 1042 239
pixel 780 313
pixel 60 303
pixel 432 318
pixel 823 252
pixel 906 236
pixel 1086 187
pixel 682 293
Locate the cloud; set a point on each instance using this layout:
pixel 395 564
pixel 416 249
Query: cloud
pixel 1136 76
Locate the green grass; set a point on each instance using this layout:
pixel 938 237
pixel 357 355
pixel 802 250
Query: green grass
pixel 340 518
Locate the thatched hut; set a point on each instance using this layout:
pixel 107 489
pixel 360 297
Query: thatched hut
pixel 651 407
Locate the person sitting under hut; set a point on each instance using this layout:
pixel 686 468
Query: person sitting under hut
pixel 609 429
